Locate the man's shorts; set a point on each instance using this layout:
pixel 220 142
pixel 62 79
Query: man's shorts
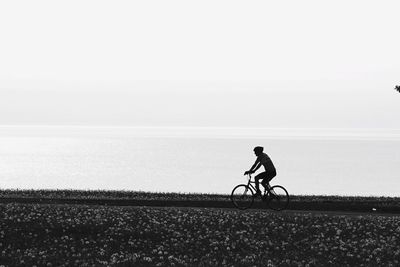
pixel 266 176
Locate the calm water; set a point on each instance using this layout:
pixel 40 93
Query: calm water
pixel 305 166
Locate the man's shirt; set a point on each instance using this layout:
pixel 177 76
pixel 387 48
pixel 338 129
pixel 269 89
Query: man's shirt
pixel 266 162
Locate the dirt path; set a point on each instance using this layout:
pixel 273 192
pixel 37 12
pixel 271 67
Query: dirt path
pixel 341 213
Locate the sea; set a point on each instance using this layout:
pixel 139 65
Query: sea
pixel 198 160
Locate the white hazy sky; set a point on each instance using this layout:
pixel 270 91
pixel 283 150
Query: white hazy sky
pixel 318 64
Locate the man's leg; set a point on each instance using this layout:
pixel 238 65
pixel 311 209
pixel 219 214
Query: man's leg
pixel 258 177
pixel 267 179
pixel 257 184
pixel 265 183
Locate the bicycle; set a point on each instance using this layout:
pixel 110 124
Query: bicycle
pixel 275 197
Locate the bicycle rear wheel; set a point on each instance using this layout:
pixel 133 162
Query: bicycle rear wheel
pixel 242 197
pixel 278 198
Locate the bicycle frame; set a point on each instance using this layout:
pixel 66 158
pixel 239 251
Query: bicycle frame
pixel 250 182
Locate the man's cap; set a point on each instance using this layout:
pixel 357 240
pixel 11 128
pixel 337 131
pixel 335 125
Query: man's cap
pixel 258 149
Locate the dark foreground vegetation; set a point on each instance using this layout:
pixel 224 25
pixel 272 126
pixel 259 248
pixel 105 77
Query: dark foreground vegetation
pixel 94 235
pixel 135 198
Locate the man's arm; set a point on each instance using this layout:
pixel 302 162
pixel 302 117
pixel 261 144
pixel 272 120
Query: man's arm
pixel 254 168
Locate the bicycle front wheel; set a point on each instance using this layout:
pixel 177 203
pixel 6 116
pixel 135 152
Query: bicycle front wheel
pixel 242 197
pixel 278 198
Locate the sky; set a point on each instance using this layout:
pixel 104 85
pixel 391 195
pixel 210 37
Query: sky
pixel 273 64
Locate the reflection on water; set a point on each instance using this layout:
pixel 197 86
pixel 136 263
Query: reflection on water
pixel 345 166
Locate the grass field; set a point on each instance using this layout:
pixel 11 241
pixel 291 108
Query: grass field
pixel 36 233
pixel 95 235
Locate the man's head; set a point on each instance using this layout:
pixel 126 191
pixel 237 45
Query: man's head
pixel 258 150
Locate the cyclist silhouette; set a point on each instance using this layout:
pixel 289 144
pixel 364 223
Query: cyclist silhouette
pixel 270 171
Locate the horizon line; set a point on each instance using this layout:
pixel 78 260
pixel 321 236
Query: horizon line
pixel 204 132
pixel 194 127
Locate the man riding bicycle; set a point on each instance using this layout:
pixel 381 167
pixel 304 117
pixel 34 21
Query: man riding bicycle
pixel 270 171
